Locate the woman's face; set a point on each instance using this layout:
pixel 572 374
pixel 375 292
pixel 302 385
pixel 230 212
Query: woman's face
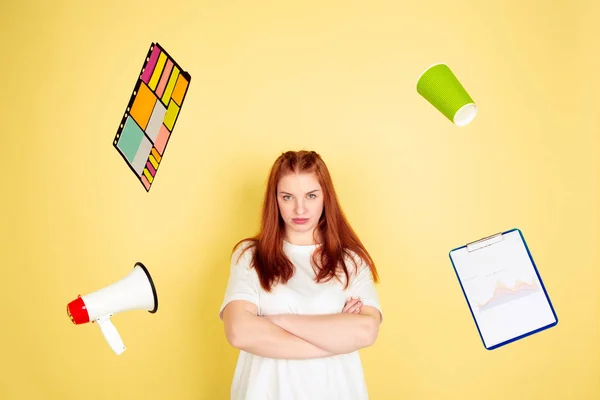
pixel 300 200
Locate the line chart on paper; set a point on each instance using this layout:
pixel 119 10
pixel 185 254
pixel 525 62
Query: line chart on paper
pixel 503 293
pixel 489 286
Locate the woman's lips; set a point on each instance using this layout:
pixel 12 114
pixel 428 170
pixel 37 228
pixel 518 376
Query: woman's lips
pixel 300 220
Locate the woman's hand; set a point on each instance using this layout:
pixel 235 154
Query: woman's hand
pixel 352 306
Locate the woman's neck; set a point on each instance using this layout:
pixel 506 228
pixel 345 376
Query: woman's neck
pixel 302 239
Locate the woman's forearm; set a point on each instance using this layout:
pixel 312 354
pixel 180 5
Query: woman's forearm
pixel 336 333
pixel 259 336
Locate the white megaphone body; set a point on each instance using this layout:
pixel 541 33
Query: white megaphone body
pixel 136 291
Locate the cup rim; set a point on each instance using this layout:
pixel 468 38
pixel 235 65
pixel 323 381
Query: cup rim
pixel 475 110
pixel 427 69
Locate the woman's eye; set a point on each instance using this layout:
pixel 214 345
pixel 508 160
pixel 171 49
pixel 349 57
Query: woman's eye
pixel 286 197
pixel 312 196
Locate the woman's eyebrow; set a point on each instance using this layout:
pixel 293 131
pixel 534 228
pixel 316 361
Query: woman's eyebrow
pixel 312 191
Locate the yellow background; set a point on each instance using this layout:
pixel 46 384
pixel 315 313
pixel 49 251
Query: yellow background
pixel 337 77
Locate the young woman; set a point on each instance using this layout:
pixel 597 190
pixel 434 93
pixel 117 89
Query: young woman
pixel 300 301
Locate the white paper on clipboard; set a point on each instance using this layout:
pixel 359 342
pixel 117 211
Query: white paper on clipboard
pixel 503 288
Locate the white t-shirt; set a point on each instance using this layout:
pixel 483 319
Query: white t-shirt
pixel 329 378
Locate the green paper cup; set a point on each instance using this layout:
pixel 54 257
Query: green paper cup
pixel 440 87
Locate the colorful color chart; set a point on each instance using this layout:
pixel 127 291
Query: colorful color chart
pixel 151 114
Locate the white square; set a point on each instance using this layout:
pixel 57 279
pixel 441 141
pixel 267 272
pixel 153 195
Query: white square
pixel 156 120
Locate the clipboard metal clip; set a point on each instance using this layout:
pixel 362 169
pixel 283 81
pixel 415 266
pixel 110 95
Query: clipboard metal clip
pixel 484 242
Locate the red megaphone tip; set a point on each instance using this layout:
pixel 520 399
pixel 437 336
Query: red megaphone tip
pixel 77 311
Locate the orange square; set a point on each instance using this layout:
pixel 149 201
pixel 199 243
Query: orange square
pixel 143 105
pixel 180 88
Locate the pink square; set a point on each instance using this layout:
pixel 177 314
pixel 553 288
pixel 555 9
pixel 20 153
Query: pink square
pixel 145 182
pixel 161 140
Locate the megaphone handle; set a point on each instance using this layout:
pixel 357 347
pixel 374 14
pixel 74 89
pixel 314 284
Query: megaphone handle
pixel 111 334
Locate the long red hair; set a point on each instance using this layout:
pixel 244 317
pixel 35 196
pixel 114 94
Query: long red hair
pixel 338 239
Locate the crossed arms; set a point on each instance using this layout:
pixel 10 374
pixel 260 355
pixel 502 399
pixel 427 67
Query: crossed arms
pixel 291 336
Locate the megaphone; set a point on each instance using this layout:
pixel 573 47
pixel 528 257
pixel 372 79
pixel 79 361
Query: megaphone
pixel 136 291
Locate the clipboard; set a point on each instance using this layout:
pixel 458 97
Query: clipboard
pixel 503 288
